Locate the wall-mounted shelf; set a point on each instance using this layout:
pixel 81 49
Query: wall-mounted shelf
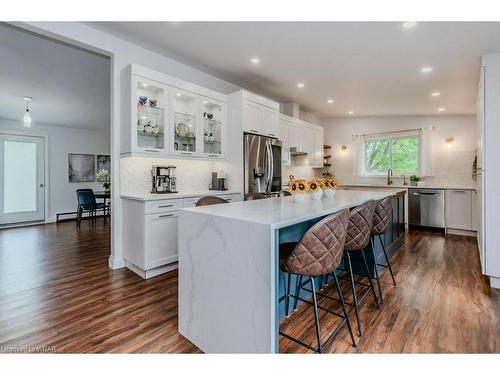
pixel 326 156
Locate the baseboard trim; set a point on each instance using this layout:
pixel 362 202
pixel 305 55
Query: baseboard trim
pixel 494 282
pixel 116 263
pixel 461 232
pixel 147 274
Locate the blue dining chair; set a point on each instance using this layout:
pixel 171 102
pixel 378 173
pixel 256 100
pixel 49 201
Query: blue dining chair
pixel 87 203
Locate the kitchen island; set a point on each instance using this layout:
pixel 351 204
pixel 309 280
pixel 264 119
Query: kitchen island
pixel 229 280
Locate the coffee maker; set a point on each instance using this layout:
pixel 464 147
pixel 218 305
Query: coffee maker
pixel 163 179
pixel 218 181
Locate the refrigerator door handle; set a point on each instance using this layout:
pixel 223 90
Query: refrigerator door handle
pixel 271 165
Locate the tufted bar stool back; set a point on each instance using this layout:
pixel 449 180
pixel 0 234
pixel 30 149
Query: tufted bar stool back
pixel 360 226
pixel 318 253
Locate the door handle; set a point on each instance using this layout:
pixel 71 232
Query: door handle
pixel 42 185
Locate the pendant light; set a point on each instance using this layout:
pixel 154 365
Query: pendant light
pixel 27 116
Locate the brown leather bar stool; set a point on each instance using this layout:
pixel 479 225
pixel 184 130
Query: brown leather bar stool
pixel 358 236
pixel 254 196
pixel 381 221
pixel 209 200
pixel 318 253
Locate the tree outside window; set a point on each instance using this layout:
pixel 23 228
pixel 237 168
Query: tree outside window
pixel 400 154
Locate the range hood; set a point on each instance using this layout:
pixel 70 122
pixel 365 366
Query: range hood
pixel 298 150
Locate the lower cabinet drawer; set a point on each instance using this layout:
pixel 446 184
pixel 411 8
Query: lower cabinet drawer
pixel 161 239
pixel 163 205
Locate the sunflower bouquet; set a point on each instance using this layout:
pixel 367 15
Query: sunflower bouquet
pixel 330 185
pixel 316 188
pixel 298 188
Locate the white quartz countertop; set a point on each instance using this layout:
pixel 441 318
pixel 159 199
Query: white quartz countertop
pixel 191 194
pixel 378 186
pixel 282 212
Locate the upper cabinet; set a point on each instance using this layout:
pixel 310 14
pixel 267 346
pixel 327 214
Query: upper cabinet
pixel 284 135
pixel 258 115
pixel 150 111
pixel 172 117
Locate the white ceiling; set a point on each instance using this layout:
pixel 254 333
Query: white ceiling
pixel 69 86
pixel 372 68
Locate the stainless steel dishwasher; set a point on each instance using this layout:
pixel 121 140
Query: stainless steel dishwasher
pixel 426 207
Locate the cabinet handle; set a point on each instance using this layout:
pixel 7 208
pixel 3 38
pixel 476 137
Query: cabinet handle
pixel 213 155
pixel 165 206
pixel 459 191
pixel 167 215
pixel 186 153
pixel 151 150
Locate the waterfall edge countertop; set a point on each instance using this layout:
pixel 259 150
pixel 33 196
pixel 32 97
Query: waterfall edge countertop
pixel 282 212
pixel 229 277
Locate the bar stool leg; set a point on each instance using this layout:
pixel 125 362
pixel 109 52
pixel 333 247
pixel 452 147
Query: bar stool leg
pixel 287 298
pixel 297 292
pixel 353 289
pixel 316 317
pixel 376 270
pixel 341 298
pixel 387 260
pixel 369 278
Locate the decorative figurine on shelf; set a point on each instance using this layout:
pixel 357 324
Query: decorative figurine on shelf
pixel 143 100
pixel 104 174
pixel 152 102
pixel 208 115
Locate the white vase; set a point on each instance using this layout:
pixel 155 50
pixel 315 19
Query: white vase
pixel 317 195
pixel 329 193
pixel 298 198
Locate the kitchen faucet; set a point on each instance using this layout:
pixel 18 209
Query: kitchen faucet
pixel 389 176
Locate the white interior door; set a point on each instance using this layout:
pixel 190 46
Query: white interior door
pixel 22 182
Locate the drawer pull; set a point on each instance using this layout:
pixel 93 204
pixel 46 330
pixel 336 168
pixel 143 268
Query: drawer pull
pixel 213 155
pixel 186 153
pixel 166 205
pixel 151 150
pixel 459 191
pixel 167 215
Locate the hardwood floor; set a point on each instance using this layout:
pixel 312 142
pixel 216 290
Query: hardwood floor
pixel 58 294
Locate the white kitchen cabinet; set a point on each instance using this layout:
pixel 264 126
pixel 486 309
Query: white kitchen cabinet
pixel 297 135
pixel 318 147
pixel 150 232
pixel 284 135
pixel 474 209
pixel 458 209
pixel 182 120
pixel 270 122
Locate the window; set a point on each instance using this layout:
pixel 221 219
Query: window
pixel 400 153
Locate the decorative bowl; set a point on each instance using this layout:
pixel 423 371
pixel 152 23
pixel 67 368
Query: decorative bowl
pixel 298 198
pixel 143 100
pixel 140 128
pixel 316 195
pixel 329 193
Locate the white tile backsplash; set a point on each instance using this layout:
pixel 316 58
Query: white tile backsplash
pixel 192 175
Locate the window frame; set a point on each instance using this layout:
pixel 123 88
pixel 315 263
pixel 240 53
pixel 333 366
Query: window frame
pixel 392 137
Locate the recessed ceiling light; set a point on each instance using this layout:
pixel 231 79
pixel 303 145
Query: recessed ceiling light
pixel 350 112
pixel 205 102
pixel 330 101
pixel 441 109
pixel 178 94
pixel 255 60
pixel 409 24
pixel 426 69
pixel 144 85
pixel 436 93
pixel 301 85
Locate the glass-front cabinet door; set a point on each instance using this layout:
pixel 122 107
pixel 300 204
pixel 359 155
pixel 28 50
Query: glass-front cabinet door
pixel 213 122
pixel 150 107
pixel 185 122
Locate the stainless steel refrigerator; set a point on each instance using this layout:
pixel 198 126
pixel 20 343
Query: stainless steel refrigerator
pixel 262 161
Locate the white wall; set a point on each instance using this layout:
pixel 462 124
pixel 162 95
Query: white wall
pixel 122 54
pixel 61 141
pixel 452 166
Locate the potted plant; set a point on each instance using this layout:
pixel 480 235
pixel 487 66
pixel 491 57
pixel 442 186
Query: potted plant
pixel 315 187
pixel 414 180
pixel 329 186
pixel 298 189
pixel 104 174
